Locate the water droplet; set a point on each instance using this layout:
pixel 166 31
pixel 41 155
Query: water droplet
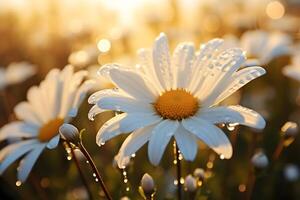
pixel 94 175
pixel 133 155
pixel 96 179
pixel 175 182
pixel 18 183
pixel 87 162
pixel 69 157
pixel 127 189
pixel 222 157
pixel 181 180
pixel 125 180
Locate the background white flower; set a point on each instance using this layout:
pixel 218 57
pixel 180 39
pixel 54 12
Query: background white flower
pixel 48 106
pixel 261 46
pixel 293 70
pixel 16 73
pixel 176 96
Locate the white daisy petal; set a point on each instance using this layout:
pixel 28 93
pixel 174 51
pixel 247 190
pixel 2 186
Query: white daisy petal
pixel 27 163
pixel 187 143
pixel 81 92
pixel 146 62
pixel 160 137
pixel 182 62
pixel 18 129
pixel 34 97
pixel 16 151
pixel 238 80
pixel 105 93
pixel 162 62
pixel 251 118
pixel 133 84
pixel 12 147
pixel 203 57
pixel 24 111
pixel 133 143
pixel 218 71
pixel 124 104
pixel 95 110
pixel 233 114
pixel 138 120
pixel 110 129
pixel 53 142
pixel 209 134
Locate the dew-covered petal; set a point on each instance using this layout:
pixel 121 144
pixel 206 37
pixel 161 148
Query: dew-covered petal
pixel 233 114
pixel 211 135
pixel 134 84
pixel 162 62
pixel 182 61
pixel 160 138
pixel 238 80
pixel 110 129
pixel 124 104
pixel 187 143
pixel 133 143
pixel 134 121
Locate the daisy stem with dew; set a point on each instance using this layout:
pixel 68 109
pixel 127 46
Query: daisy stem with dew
pixel 95 170
pixel 83 179
pixel 178 170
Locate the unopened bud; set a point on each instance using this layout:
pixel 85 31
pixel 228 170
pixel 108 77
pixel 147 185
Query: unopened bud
pixel 147 184
pixel 69 133
pixel 260 160
pixel 291 172
pixel 289 131
pixel 190 183
pixel 199 173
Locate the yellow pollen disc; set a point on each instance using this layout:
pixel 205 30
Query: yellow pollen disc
pixel 50 129
pixel 176 104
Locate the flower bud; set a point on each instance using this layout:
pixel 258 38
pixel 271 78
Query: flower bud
pixel 190 183
pixel 289 131
pixel 69 133
pixel 291 172
pixel 199 173
pixel 147 184
pixel 260 160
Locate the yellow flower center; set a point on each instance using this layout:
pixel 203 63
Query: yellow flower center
pixel 50 129
pixel 176 104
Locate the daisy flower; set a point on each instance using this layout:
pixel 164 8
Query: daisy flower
pixel 48 106
pixel 293 70
pixel 15 73
pixel 175 96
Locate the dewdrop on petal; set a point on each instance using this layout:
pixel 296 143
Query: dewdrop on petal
pixel 147 184
pixel 190 183
pixel 291 172
pixel 260 160
pixel 69 133
pixel 289 131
